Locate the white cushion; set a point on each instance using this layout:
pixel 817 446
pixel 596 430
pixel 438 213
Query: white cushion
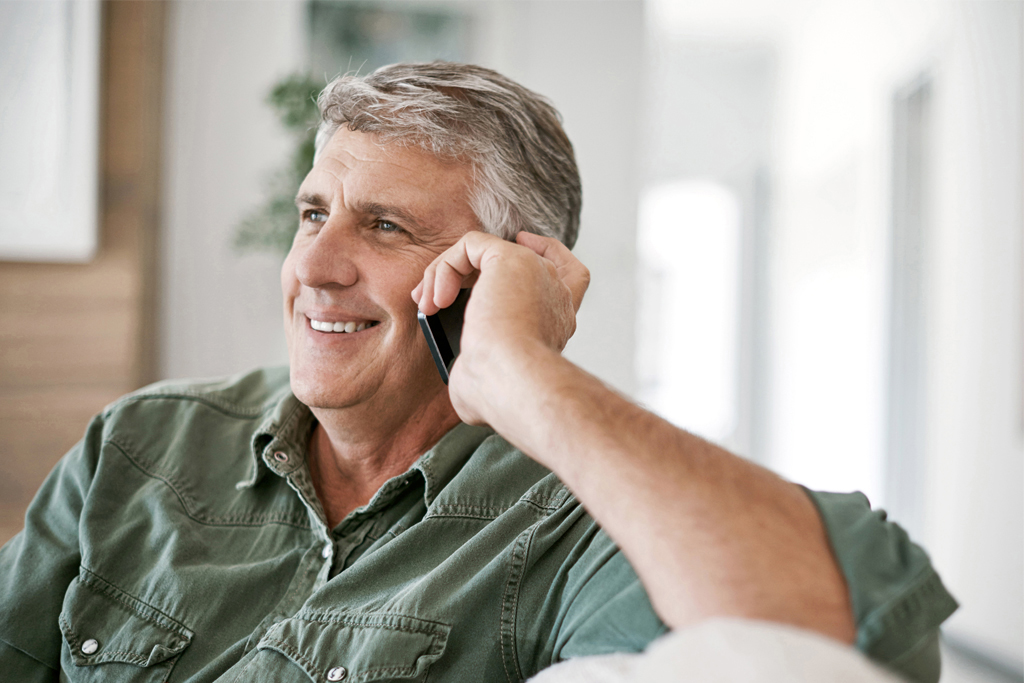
pixel 726 651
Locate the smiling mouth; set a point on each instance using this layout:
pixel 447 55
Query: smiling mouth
pixel 341 327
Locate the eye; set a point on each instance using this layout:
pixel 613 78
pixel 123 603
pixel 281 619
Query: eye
pixel 388 226
pixel 315 216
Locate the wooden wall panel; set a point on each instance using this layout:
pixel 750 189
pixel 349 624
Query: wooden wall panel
pixel 75 337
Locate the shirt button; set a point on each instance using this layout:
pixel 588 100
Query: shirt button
pixel 280 456
pixel 90 646
pixel 337 673
pixel 327 553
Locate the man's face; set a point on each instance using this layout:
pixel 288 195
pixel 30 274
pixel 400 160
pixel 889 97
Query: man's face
pixel 372 218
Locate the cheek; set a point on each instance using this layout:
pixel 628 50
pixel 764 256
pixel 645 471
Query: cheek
pixel 289 290
pixel 289 282
pixel 399 277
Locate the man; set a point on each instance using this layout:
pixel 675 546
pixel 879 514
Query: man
pixel 345 520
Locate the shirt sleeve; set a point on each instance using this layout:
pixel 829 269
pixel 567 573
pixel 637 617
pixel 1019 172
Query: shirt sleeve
pixel 38 564
pixel 604 607
pixel 898 599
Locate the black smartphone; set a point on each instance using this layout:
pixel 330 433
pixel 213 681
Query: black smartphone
pixel 443 331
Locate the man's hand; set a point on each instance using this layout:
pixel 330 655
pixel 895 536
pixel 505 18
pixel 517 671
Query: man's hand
pixel 525 298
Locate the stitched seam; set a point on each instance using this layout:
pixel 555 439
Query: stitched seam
pixel 312 671
pixel 194 515
pixel 69 634
pixel 895 610
pixel 504 603
pixel 515 571
pixel 515 605
pixel 106 656
pixel 225 407
pixel 486 513
pixel 448 508
pixel 546 504
pixel 543 507
pixel 466 515
pixel 926 586
pixel 378 619
pixel 388 670
pixel 551 502
pixel 113 592
pixel 125 657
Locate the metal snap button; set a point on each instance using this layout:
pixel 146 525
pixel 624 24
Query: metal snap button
pixel 326 552
pixel 90 646
pixel 280 456
pixel 337 673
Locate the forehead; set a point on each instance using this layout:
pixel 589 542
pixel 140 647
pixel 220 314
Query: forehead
pixel 355 166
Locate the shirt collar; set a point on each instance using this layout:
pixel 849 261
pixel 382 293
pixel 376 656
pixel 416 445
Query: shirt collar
pixel 285 429
pixel 441 463
pixel 288 424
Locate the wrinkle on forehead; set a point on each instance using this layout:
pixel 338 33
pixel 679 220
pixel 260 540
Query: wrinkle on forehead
pixel 356 170
pixel 365 148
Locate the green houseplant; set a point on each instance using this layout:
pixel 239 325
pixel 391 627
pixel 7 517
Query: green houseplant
pixel 271 226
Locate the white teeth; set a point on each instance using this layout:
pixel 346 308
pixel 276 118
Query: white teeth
pixel 323 326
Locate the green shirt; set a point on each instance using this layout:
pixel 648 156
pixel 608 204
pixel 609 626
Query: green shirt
pixel 181 540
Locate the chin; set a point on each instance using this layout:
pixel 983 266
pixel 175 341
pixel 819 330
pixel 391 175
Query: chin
pixel 321 390
pixel 318 391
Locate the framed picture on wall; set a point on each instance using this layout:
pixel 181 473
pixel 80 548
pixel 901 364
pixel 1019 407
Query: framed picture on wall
pixel 49 130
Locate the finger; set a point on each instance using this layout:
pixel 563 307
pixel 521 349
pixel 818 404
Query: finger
pixel 571 271
pixel 435 285
pixel 455 268
pixel 447 283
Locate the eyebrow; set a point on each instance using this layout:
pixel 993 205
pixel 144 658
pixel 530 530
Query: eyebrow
pixel 311 199
pixel 376 209
pixel 369 208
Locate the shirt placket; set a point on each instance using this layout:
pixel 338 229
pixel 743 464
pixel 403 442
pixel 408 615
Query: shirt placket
pixel 292 466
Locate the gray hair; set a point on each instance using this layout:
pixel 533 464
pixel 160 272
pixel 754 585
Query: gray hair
pixel 525 175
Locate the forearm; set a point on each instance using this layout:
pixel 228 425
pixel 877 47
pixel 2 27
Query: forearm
pixel 708 533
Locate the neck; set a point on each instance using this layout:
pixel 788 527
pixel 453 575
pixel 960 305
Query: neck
pixel 353 451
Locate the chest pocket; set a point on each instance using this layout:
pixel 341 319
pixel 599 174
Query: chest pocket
pixel 360 647
pixel 112 636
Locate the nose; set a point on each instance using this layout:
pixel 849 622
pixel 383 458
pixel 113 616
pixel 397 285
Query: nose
pixel 328 259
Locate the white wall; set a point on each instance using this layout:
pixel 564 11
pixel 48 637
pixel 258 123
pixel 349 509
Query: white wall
pixel 842 63
pixel 976 414
pixel 221 312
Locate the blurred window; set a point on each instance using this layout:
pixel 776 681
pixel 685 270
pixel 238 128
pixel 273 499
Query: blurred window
pixel 688 326
pixel 49 130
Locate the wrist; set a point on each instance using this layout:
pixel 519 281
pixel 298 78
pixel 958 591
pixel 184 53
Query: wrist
pixel 507 385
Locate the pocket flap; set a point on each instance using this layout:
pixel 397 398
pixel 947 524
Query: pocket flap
pixel 102 624
pixel 363 647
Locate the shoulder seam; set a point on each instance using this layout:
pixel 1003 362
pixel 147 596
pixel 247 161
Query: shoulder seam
pixel 194 514
pixel 232 409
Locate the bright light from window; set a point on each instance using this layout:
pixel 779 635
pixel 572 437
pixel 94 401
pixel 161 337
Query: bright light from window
pixel 689 248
